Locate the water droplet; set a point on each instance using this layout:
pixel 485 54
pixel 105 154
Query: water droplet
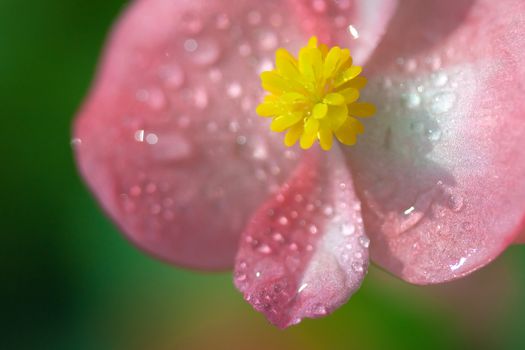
pixel 328 210
pixel 409 211
pixel 258 274
pixel 312 229
pixel 302 287
pixel 245 49
pixel 277 237
pixel 139 135
pixel 319 6
pixel 142 95
pixel 234 90
pixel 348 229
pixel 319 310
pixel 412 100
pixel 353 31
pixel 358 255
pixel 442 102
pixel 466 226
pixel 241 140
pixel 260 152
pixel 135 191
pixel 200 98
pixel 241 277
pixel 457 265
pixel 151 188
pixel 440 79
pixel 455 202
pixel 433 134
pixel 191 23
pixel 411 65
pixel 283 220
pixel 155 209
pixel 206 53
pixel 298 198
pixel 268 41
pixel 152 139
pixel 357 267
pixel 435 62
pixel 234 126
pixel 364 241
pixel 265 65
pixel 76 142
pixel 264 249
pixel 190 45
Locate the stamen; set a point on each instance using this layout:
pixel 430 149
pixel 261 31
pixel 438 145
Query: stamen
pixel 314 98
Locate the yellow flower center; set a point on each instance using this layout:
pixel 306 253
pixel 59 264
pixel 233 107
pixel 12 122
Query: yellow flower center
pixel 315 96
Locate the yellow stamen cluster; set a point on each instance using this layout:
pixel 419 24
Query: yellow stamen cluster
pixel 315 96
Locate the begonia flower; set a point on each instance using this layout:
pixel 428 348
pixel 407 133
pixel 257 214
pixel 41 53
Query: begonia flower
pixel 432 189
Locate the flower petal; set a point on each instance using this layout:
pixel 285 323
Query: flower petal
pixel 169 140
pixel 304 253
pixel 358 24
pixel 441 167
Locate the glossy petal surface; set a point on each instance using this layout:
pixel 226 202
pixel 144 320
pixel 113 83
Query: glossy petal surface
pixel 305 252
pixel 441 167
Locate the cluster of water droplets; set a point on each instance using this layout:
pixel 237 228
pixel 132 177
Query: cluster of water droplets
pixel 284 249
pixel 410 189
pixel 413 110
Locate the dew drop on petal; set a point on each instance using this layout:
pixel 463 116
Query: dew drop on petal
pixel 353 31
pixel 264 249
pixel 234 90
pixel 348 229
pixel 442 102
pixel 364 241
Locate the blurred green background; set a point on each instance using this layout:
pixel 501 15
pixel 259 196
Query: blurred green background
pixel 70 281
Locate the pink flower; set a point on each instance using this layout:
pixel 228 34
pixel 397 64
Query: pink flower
pixel 171 146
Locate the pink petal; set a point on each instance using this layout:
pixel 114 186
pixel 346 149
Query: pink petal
pixel 169 141
pixel 305 252
pixel 441 167
pixel 355 24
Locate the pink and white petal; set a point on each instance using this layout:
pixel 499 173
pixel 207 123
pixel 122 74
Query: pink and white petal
pixel 441 167
pixel 355 24
pixel 169 141
pixel 304 253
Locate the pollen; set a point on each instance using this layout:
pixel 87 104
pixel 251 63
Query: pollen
pixel 315 97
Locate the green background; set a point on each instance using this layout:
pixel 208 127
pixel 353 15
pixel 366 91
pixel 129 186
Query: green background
pixel 70 281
